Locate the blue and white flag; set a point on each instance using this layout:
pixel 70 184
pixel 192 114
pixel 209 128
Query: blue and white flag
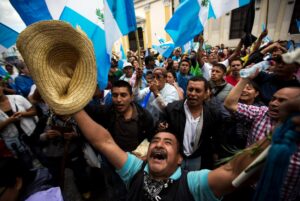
pixel 220 7
pixel 191 16
pixel 8 37
pixel 10 25
pixel 164 49
pixel 188 21
pixel 104 22
pixel 123 55
pixel 160 39
pixel 32 11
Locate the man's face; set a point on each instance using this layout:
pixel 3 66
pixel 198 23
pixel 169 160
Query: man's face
pixel 128 71
pixel 216 74
pixel 195 93
pixel 184 68
pixel 177 53
pixel 285 70
pixel 213 58
pixel 280 97
pixel 121 99
pixel 175 65
pixel 159 79
pixel 163 155
pixel 236 66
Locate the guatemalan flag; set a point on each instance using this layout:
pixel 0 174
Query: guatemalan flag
pixel 10 25
pixel 104 22
pixel 190 17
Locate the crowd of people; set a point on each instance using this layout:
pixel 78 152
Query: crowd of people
pixel 192 109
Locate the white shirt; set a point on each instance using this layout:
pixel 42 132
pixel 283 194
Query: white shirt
pixel 18 104
pixel 155 106
pixel 189 136
pixel 206 68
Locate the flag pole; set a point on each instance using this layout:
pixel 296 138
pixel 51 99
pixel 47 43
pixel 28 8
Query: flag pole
pixel 138 47
pixel 139 53
pixel 267 15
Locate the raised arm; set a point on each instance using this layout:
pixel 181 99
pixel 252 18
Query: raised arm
pixel 259 40
pixel 101 139
pixel 231 101
pixel 220 179
pixel 199 52
pixel 236 51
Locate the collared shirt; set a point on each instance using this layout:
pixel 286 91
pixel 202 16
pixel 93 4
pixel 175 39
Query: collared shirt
pixel 261 126
pixel 126 131
pixel 190 131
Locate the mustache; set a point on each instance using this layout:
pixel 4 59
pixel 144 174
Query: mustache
pixel 159 153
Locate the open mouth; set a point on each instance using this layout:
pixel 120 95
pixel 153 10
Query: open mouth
pixel 159 154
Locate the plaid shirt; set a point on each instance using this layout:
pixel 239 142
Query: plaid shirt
pixel 261 126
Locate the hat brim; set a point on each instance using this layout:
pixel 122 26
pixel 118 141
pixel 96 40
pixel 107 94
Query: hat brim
pixel 62 64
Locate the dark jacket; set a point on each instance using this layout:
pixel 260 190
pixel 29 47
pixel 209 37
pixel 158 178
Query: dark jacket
pixel 270 83
pixel 211 131
pixel 106 116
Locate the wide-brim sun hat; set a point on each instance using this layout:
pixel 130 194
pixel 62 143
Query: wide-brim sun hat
pixel 61 61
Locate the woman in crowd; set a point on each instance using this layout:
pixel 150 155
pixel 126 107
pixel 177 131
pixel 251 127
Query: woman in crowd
pixel 171 79
pixel 17 122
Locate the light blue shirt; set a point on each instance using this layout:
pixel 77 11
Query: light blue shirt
pixel 197 180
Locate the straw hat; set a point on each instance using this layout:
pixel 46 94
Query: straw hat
pixel 62 64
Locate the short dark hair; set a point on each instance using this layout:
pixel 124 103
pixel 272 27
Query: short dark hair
pixel 235 59
pixel 10 169
pixel 122 83
pixel 173 73
pixel 185 60
pixel 200 79
pixel 148 59
pixel 221 66
pixel 168 129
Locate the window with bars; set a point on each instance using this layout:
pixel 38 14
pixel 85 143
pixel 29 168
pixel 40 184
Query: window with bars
pixel 132 40
pixel 237 23
pixel 296 16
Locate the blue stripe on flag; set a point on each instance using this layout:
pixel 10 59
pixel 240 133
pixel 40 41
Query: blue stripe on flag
pixel 31 10
pixel 97 35
pixel 123 55
pixel 185 23
pixel 243 2
pixel 8 36
pixel 211 13
pixel 123 12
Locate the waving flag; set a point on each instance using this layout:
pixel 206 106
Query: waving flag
pixel 188 21
pixel 8 37
pixel 31 10
pixel 164 49
pixel 220 7
pixel 190 17
pixel 104 22
pixel 10 25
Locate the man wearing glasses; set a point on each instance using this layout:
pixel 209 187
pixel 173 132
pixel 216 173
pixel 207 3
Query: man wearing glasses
pixel 157 96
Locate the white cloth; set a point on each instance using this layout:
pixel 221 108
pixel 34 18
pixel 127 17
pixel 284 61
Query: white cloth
pixel 18 104
pixel 190 128
pixel 155 106
pixel 206 68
